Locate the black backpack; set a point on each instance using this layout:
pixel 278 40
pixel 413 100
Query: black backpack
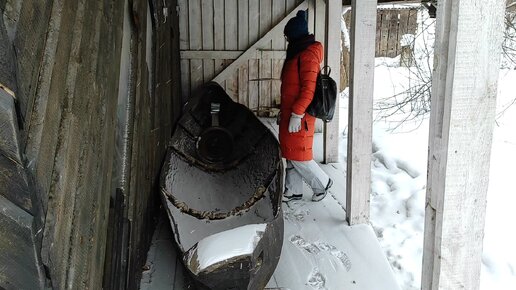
pixel 325 96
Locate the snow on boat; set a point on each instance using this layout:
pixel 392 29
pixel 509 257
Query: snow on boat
pixel 221 184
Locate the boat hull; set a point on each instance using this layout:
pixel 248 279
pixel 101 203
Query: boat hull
pixel 211 191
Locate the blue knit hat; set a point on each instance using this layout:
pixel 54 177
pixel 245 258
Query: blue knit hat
pixel 296 27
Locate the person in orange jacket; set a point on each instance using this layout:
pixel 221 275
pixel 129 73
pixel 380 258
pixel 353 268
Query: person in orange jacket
pixel 296 127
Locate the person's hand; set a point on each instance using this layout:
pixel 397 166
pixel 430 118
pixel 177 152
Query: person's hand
pixel 294 124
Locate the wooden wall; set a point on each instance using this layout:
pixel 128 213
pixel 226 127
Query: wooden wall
pixel 391 25
pixel 94 101
pixel 213 33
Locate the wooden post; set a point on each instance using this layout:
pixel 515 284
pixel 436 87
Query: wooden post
pixel 467 54
pixel 332 59
pixel 363 37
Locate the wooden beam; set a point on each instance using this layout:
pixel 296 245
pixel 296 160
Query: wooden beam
pixel 332 59
pixel 360 120
pixel 348 2
pixel 231 69
pixel 467 55
pixel 228 54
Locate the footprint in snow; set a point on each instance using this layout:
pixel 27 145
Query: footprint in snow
pixel 340 255
pixel 295 214
pixel 303 244
pixel 317 280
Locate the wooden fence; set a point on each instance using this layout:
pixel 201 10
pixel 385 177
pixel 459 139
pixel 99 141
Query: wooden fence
pixel 391 25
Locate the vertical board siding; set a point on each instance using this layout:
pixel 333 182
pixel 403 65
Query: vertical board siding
pixel 29 51
pixel 333 59
pixel 391 25
pixel 392 45
pixel 231 43
pixel 254 35
pixel 219 31
pixel 234 26
pixel 196 41
pixel 184 39
pixel 278 43
pixel 265 64
pixel 71 104
pixel 42 140
pixel 320 21
pixel 243 43
pixel 207 38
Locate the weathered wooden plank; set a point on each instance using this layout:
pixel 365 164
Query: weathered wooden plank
pixel 61 194
pixel 265 101
pixel 172 64
pixel 386 18
pixel 44 122
pixel 243 24
pixel 403 23
pixel 320 21
pixel 230 55
pixel 243 43
pixel 332 57
pixel 107 78
pixel 219 15
pixel 379 31
pixel 195 32
pixel 184 44
pixel 348 2
pixel 140 176
pixel 311 15
pixel 344 71
pixel 207 38
pixel 86 188
pixel 278 43
pixel 9 131
pixel 138 188
pixel 184 27
pixel 185 79
pixel 7 61
pixel 17 249
pixel 360 121
pixel 29 45
pixel 412 21
pixel 405 50
pixel 392 45
pixel 231 43
pixel 253 72
pixel 289 6
pixel 14 183
pixel 461 128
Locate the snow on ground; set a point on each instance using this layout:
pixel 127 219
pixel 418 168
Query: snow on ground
pixel 399 178
pixel 499 257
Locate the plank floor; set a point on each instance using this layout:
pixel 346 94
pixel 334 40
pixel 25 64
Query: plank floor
pixel 320 251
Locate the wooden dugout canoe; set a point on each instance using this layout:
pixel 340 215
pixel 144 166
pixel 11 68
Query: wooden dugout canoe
pixel 221 185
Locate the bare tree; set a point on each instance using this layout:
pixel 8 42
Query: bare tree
pixel 413 103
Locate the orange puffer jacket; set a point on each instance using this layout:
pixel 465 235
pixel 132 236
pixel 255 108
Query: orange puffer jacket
pixel 297 91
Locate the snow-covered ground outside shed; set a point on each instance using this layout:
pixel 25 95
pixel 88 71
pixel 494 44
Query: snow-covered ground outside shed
pixel 399 175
